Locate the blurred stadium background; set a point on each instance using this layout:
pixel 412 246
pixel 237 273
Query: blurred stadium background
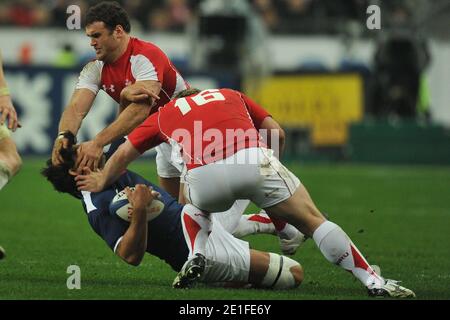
pixel 363 109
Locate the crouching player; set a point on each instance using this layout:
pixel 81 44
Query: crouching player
pixel 229 261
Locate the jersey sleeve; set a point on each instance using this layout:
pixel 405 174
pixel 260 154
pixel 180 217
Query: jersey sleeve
pixel 90 76
pixel 142 68
pixel 257 113
pixel 109 227
pixel 149 63
pixel 147 135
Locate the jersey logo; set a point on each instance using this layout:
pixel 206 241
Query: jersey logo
pixel 111 88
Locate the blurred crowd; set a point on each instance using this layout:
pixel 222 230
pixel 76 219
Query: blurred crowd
pixel 280 16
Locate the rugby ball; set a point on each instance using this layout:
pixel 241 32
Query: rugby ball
pixel 121 207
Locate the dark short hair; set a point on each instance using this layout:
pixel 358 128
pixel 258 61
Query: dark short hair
pixel 111 14
pixel 187 92
pixel 59 175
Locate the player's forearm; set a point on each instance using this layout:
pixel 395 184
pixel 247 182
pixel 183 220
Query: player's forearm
pixel 79 106
pixel 70 121
pixel 274 135
pixel 118 162
pixel 134 242
pixel 128 119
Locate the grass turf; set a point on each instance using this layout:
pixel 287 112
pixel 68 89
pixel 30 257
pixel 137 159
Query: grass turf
pixel 398 216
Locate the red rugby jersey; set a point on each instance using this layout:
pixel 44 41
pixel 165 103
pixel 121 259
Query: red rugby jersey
pixel 207 127
pixel 141 61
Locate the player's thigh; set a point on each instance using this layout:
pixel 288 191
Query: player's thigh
pixel 282 195
pixel 299 210
pixel 208 189
pixel 215 187
pixel 228 258
pixel 277 182
pixel 168 173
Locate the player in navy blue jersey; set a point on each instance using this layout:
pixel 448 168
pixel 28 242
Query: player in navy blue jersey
pixel 229 261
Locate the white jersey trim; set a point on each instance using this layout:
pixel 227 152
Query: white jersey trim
pixel 142 68
pixel 181 85
pixel 88 201
pixel 117 244
pixel 90 76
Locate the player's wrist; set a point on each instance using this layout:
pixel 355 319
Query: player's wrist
pixel 4 91
pixel 66 134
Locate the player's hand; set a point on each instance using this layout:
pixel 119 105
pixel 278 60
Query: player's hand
pixel 141 197
pixel 59 144
pixel 8 112
pixel 89 180
pixel 134 93
pixel 89 155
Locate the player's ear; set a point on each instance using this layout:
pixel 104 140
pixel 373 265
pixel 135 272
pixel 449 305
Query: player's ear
pixel 118 31
pixel 73 172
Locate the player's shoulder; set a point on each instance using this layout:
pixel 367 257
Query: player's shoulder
pixel 93 66
pixel 231 93
pixel 169 106
pixel 140 46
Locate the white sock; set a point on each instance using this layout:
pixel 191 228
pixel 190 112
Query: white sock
pixel 4 175
pixel 337 247
pixel 288 232
pixel 253 224
pixel 196 228
pixel 231 218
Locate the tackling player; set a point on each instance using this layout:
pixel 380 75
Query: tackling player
pixel 121 60
pixel 219 172
pixel 229 261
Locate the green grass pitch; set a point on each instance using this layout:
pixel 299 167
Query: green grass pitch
pixel 398 216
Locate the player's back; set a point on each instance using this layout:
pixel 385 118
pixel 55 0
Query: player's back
pixel 211 125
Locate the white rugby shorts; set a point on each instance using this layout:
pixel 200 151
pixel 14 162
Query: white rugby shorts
pixel 253 173
pixel 165 166
pixel 227 258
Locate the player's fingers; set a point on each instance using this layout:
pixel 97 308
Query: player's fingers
pixel 65 143
pixel 87 171
pixel 80 158
pixel 151 93
pixel 141 97
pixel 129 194
pixel 59 158
pixel 4 115
pixel 81 184
pixel 89 163
pixel 12 123
pixel 95 165
pixel 156 194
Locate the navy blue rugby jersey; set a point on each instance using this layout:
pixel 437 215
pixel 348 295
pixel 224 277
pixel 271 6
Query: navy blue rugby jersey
pixel 165 233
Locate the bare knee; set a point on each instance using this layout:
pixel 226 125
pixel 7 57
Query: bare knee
pixel 298 274
pixel 13 161
pixel 9 156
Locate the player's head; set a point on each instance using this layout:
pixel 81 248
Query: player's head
pixel 107 24
pixel 187 93
pixel 62 176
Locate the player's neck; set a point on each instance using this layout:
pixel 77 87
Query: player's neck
pixel 120 50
